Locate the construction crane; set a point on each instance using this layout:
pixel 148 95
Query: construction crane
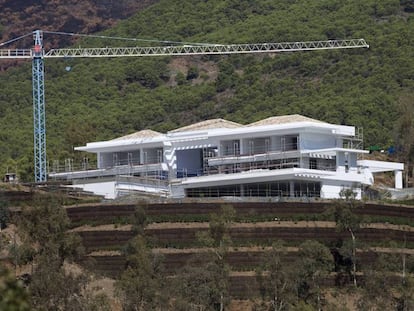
pixel 37 54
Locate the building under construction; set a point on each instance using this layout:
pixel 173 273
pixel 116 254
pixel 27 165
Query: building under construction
pixel 283 156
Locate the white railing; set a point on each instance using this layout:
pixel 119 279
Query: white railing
pixel 217 192
pixel 160 181
pixel 69 165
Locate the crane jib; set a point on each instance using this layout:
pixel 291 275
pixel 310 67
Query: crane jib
pixel 207 49
pixel 183 50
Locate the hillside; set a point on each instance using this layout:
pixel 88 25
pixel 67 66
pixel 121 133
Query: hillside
pixel 257 231
pixel 102 99
pixel 20 17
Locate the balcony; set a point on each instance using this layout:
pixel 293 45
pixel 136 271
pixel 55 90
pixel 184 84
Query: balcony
pixel 257 154
pixel 88 170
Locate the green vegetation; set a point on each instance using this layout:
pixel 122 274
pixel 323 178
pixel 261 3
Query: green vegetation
pixel 4 213
pixel 48 248
pixel 104 98
pixel 141 284
pixel 286 278
pixel 13 296
pixel 347 221
pixel 204 283
pixel 254 218
pixel 278 288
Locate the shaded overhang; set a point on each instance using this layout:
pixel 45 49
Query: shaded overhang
pixel 331 152
pixel 254 176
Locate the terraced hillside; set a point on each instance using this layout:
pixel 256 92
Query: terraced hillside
pixel 173 230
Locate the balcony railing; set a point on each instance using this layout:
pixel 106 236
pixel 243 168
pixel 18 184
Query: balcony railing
pixel 320 167
pixel 69 165
pixel 132 161
pixel 184 173
pixel 158 181
pixel 217 192
pixel 261 149
pixel 88 170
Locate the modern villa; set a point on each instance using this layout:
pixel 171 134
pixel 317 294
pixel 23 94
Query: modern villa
pixel 282 156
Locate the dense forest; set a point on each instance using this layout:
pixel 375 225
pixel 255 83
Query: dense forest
pixel 104 98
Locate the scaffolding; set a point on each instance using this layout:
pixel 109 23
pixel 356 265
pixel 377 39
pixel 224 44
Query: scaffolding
pixel 356 142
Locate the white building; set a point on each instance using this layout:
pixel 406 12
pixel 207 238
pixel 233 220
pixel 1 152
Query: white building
pixel 284 156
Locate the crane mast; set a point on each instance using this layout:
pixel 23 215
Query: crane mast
pixel 39 119
pixel 37 54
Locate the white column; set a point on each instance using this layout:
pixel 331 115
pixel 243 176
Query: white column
pixel 398 179
pixel 141 156
pixel 242 145
pixel 98 160
pixel 291 188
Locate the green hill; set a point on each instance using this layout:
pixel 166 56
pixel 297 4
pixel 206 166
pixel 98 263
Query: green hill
pixel 103 98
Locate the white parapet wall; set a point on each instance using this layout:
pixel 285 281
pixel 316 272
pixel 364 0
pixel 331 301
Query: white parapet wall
pixel 332 190
pixel 106 189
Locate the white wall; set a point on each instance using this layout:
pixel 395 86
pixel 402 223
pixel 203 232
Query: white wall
pixel 331 189
pixel 106 189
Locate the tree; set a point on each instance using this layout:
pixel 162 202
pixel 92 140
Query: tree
pixel 377 290
pixel 395 264
pixel 139 220
pixel 406 287
pixel 404 129
pixel 53 288
pixel 315 265
pixel 192 73
pixel 277 278
pixel 406 297
pixel 219 226
pixel 13 296
pixel 4 213
pixel 180 78
pixel 347 220
pixel 44 228
pixel 141 285
pixel 204 283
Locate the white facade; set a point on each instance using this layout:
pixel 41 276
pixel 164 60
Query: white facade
pixel 286 156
